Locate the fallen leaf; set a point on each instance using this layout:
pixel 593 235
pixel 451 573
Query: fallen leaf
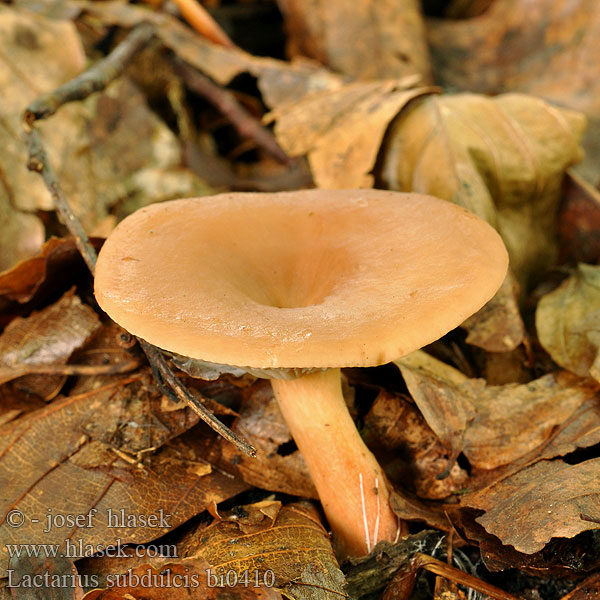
pixel 110 345
pixel 58 260
pixel 437 390
pixel 579 221
pixel 25 41
pixel 95 452
pixel 57 576
pixel 498 326
pixel 548 48
pixel 48 337
pixel 491 425
pixel 388 38
pixel 82 139
pixel 541 502
pixel 279 466
pixel 580 430
pixel 341 130
pixel 278 81
pixel 501 158
pixel 408 450
pixel 175 582
pixel 292 545
pixel 560 558
pixel 568 322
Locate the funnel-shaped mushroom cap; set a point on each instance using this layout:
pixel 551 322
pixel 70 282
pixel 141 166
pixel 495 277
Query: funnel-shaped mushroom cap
pixel 298 279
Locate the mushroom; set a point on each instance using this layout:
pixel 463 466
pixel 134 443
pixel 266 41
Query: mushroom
pixel 302 284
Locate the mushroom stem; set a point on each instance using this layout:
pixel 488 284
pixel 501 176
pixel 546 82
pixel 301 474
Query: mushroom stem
pixel 351 485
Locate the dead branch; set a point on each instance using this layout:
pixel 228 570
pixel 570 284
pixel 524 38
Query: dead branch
pixel 38 161
pixel 95 79
pixel 79 88
pixel 178 392
pixel 225 102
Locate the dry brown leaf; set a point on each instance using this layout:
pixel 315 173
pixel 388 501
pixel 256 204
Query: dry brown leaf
pixel 568 322
pixel 48 337
pixel 498 326
pixel 173 581
pixel 437 389
pixel 56 576
pixel 387 38
pixel 56 266
pixel 580 430
pixel 278 81
pixel 501 158
pixel 291 543
pixel 341 130
pixel 579 221
pixel 24 38
pixel 410 453
pixel 541 502
pixel 491 425
pixel 275 468
pixel 548 48
pixel 90 452
pixel 38 54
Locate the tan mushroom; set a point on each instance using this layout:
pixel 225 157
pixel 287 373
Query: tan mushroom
pixel 313 280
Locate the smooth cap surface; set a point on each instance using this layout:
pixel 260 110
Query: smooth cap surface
pixel 315 278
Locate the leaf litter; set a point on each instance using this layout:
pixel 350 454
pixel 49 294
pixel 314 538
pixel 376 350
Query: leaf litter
pixel 484 456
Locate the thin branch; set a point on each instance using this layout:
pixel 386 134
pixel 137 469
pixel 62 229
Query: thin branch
pixel 93 80
pixel 247 125
pixel 406 577
pixel 38 161
pixel 183 394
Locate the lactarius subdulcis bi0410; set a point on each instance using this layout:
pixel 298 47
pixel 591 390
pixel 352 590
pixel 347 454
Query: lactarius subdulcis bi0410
pixel 312 280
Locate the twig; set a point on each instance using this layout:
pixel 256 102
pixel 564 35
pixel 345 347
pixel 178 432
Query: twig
pixel 195 14
pixel 225 102
pixel 95 79
pixel 433 565
pixel 183 394
pixel 38 161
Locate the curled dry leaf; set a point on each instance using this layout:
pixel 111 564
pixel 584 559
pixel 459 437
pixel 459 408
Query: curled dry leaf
pixel 279 466
pixel 90 452
pixel 48 337
pixel 411 454
pixel 501 158
pixel 388 37
pixel 55 267
pixel 341 130
pixel 290 543
pixel 491 425
pixel 541 502
pixel 568 322
pixel 548 48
